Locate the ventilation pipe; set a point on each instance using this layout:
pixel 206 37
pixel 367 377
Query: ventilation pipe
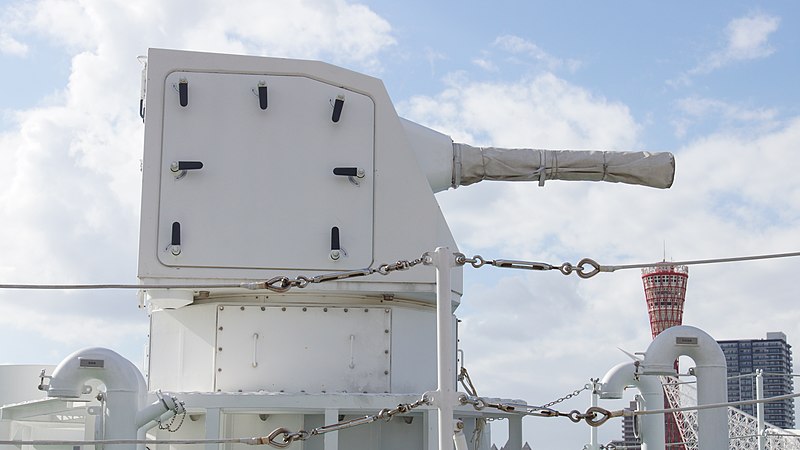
pixel 125 413
pixel 622 376
pixel 710 370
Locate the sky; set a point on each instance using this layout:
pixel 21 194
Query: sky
pixel 713 82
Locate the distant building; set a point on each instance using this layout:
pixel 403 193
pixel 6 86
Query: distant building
pixel 629 440
pixel 773 355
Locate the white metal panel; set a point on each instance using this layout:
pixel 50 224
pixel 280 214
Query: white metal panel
pixel 413 350
pixel 182 349
pixel 19 382
pixel 303 349
pixel 407 220
pixel 266 196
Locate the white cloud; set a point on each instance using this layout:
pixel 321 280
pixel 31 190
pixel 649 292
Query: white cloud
pixel 543 111
pixel 11 46
pixel 701 107
pixel 331 29
pixel 695 110
pixel 746 38
pixel 519 46
pixel 485 64
pixel 433 56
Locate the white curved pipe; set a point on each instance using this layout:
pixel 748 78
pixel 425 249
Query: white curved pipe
pixel 125 412
pixel 622 376
pixel 157 410
pixel 116 372
pixel 711 373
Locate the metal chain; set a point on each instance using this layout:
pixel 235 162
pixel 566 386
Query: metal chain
pixel 591 415
pixel 595 415
pixel 179 410
pixel 283 283
pixel 282 437
pixel 585 387
pixel 586 268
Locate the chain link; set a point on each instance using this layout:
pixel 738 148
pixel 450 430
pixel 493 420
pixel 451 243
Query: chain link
pixel 574 393
pixel 594 416
pixel 283 283
pixel 586 268
pixel 178 410
pixel 283 437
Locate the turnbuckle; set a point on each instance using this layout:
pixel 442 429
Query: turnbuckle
pixel 586 268
pixel 340 275
pixel 529 265
pixel 479 403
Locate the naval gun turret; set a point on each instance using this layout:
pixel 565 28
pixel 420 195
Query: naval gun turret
pixel 273 169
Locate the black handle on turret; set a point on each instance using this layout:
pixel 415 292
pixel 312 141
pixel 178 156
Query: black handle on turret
pixel 346 171
pixel 335 245
pixel 183 166
pixel 190 165
pixel 183 92
pixel 338 104
pixel 262 96
pixel 176 234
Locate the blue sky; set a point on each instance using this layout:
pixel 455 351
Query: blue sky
pixel 713 82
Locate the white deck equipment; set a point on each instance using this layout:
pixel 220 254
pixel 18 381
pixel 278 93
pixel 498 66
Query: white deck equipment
pixel 256 168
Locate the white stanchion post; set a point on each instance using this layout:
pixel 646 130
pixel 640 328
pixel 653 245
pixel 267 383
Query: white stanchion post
pixel 593 445
pixel 762 440
pixel 444 260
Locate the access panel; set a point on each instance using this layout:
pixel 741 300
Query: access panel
pixel 309 349
pixel 265 172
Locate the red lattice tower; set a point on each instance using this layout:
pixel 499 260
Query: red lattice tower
pixel 665 292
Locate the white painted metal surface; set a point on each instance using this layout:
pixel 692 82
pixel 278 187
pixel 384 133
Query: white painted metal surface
pixel 619 378
pixel 16 386
pixel 762 440
pixel 444 260
pixel 339 349
pixel 710 370
pixel 413 358
pixel 123 400
pixel 182 348
pixel 266 205
pixel 266 196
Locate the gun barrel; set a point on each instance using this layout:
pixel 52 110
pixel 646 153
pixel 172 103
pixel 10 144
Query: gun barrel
pixel 474 164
